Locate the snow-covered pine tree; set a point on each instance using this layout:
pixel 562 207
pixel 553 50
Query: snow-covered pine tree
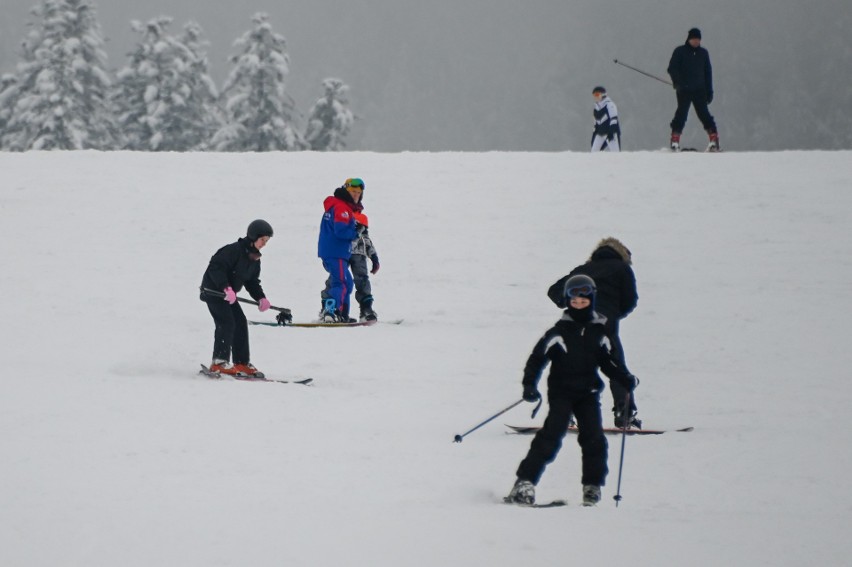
pixel 8 94
pixel 330 118
pixel 165 97
pixel 59 99
pixel 260 114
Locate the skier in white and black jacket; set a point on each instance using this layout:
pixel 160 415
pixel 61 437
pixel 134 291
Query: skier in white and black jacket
pixel 575 347
pixel 607 134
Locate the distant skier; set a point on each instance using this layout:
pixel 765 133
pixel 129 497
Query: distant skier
pixel 610 267
pixel 607 134
pixel 575 347
pixel 692 78
pixel 337 231
pixel 232 267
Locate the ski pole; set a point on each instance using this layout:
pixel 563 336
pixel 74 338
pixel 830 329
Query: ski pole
pixel 458 438
pixel 285 314
pixel 617 62
pixel 624 427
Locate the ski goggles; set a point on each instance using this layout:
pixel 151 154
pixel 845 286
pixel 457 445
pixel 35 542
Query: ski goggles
pixel 355 183
pixel 580 291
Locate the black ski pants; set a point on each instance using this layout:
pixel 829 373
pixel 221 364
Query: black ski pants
pixel 619 392
pixel 547 442
pixel 697 99
pixel 231 335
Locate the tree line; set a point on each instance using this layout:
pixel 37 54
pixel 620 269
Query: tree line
pixel 63 97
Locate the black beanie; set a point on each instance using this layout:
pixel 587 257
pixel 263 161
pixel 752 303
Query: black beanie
pixel 693 33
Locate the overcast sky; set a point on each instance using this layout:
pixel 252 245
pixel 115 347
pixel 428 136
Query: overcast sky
pixel 516 75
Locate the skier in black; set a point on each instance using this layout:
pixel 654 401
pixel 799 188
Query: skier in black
pixel 692 78
pixel 610 267
pixel 575 348
pixel 232 267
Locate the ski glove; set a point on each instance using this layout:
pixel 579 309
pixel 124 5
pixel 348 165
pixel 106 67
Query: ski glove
pixel 709 97
pixel 633 382
pixel 375 260
pixel 263 304
pixel 230 295
pixel 531 394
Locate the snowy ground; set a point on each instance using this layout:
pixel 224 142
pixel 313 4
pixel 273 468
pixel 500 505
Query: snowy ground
pixel 115 452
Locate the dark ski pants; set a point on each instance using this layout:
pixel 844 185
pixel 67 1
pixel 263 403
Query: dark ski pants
pixel 231 333
pixel 339 283
pixel 360 279
pixel 697 99
pixel 547 442
pixel 619 392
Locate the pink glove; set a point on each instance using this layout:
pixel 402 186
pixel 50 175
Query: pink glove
pixel 230 295
pixel 263 304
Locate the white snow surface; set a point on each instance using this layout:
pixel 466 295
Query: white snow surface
pixel 116 452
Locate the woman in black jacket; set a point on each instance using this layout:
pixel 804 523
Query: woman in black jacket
pixel 610 267
pixel 231 268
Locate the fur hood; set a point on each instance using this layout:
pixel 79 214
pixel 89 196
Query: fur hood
pixel 616 246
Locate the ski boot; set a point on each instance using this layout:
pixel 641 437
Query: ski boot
pixel 633 422
pixel 248 370
pixel 674 144
pixel 591 494
pixel 223 367
pixel 522 493
pixel 367 313
pixel 713 145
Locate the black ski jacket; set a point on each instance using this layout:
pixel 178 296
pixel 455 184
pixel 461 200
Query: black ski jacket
pixel 234 265
pixel 575 351
pixel 691 71
pixel 616 296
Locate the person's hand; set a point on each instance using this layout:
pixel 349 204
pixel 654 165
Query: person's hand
pixel 263 304
pixel 709 97
pixel 531 394
pixel 375 260
pixel 230 295
pixel 633 382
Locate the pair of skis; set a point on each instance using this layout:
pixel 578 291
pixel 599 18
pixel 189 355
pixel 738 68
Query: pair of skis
pixel 258 377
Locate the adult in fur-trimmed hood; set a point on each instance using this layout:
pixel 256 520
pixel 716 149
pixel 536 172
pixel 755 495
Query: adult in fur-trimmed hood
pixel 610 267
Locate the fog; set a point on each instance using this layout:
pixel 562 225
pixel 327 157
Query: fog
pixel 480 75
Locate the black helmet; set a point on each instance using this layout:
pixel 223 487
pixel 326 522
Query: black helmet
pixel 580 286
pixel 258 228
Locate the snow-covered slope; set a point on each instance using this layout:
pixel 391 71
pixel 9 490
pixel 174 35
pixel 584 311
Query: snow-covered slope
pixel 114 452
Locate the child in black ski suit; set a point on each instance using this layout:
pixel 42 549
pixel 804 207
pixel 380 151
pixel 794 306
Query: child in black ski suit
pixel 576 346
pixel 230 268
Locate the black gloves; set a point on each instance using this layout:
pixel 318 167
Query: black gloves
pixel 531 394
pixel 375 261
pixel 633 381
pixel 709 97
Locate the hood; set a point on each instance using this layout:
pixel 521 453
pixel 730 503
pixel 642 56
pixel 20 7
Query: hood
pixel 612 248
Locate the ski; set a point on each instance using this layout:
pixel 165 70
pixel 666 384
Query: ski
pixel 552 504
pixel 257 378
pixel 320 324
pixel 530 429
